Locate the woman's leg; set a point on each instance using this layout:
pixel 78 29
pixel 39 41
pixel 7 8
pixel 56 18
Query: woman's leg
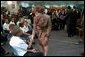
pixel 41 47
pixel 44 43
pixel 45 48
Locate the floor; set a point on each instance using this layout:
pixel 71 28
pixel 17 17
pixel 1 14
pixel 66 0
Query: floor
pixel 60 45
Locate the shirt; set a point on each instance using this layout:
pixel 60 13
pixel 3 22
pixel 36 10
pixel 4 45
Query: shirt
pixel 62 17
pixel 18 23
pixel 26 29
pixel 18 45
pixel 5 26
pixel 30 27
pixel 12 23
pixel 22 28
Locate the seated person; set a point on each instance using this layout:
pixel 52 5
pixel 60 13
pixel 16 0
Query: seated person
pixel 3 38
pixel 21 25
pixel 20 21
pixel 24 34
pixel 11 26
pixel 27 27
pixel 2 51
pixel 5 31
pixel 6 26
pixel 20 47
pixel 12 21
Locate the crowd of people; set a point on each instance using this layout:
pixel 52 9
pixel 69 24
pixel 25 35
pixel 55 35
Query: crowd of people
pixel 21 27
pixel 66 18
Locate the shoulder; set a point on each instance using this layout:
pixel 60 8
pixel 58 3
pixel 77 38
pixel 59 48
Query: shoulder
pixel 4 24
pixel 47 16
pixel 15 40
pixel 36 17
pixel 20 27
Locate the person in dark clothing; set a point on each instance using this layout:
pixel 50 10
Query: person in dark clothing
pixel 49 12
pixel 62 16
pixel 21 48
pixel 4 37
pixel 30 17
pixel 2 25
pixel 71 22
pixel 2 19
pixel 2 51
pixel 54 21
pixel 75 17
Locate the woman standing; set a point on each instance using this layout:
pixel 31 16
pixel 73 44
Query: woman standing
pixel 42 27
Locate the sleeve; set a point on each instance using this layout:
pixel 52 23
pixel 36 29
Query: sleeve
pixel 34 27
pixel 20 44
pixel 34 24
pixel 49 25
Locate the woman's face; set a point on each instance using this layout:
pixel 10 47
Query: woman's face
pixel 34 11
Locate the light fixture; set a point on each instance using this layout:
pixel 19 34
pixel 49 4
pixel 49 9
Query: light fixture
pixel 71 6
pixel 47 6
pixel 9 2
pixel 55 5
pixel 62 5
pixel 24 4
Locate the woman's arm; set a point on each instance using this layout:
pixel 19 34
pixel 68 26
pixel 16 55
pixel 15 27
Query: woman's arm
pixel 33 33
pixel 49 26
pixel 32 50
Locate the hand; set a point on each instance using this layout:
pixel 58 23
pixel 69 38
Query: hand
pixel 31 41
pixel 33 50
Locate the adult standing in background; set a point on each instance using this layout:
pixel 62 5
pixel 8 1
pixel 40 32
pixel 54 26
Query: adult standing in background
pixel 70 22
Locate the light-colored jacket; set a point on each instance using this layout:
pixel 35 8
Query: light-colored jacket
pixel 19 46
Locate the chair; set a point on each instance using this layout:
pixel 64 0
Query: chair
pixel 14 53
